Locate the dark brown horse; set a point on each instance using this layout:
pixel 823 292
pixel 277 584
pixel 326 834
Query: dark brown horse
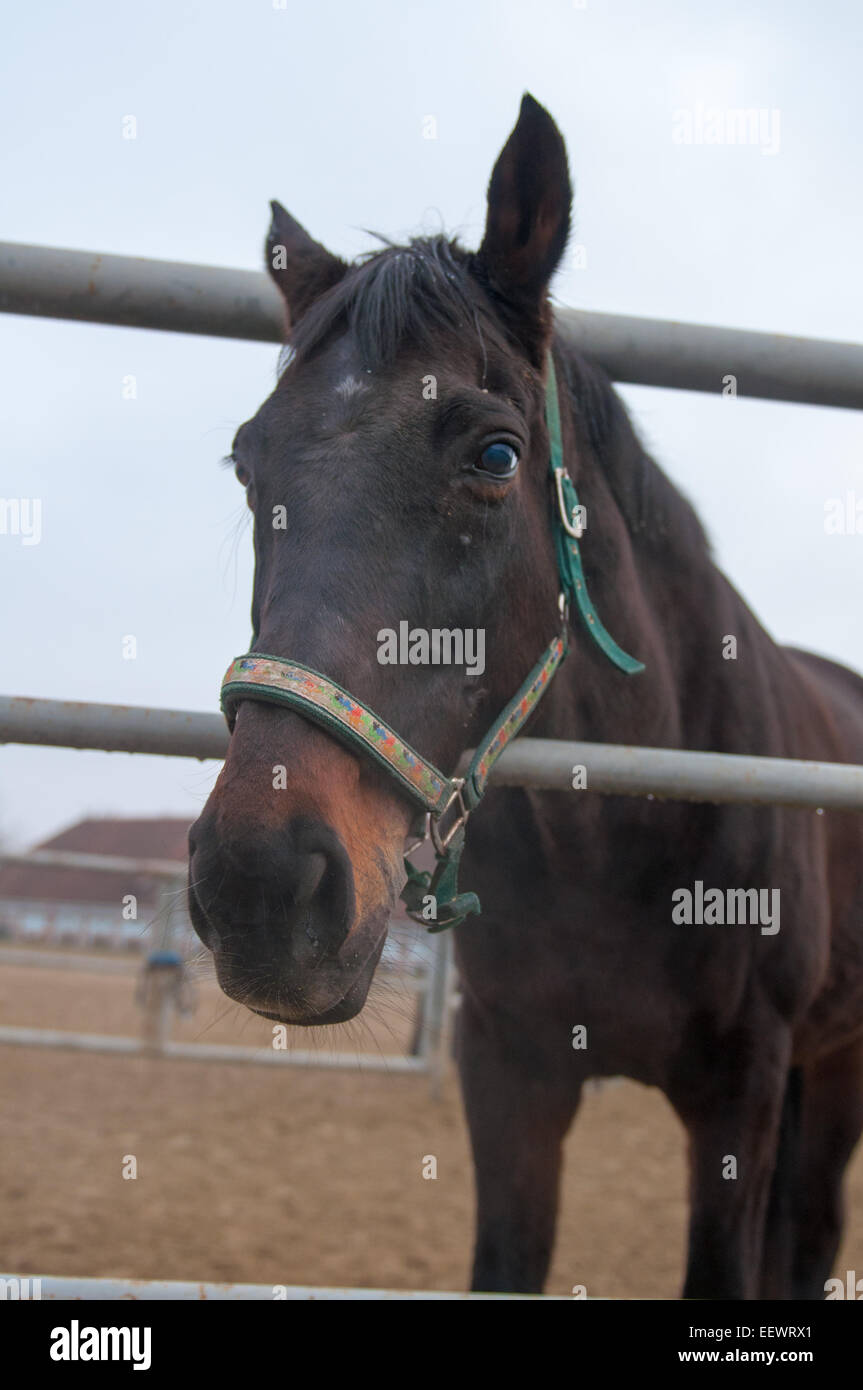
pixel 406 442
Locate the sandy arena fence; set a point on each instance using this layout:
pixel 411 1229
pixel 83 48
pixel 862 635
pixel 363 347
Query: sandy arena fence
pixel 161 1000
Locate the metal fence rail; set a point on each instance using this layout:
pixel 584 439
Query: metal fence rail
pixel 543 764
pixel 178 297
pixel 112 728
pixel 35 1287
pixel 13 1036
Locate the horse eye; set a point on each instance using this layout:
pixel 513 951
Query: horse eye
pixel 500 460
pixel 242 474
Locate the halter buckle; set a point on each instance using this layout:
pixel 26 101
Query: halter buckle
pixel 441 841
pixel 572 525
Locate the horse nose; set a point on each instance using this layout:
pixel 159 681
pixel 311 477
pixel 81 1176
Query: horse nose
pixel 289 891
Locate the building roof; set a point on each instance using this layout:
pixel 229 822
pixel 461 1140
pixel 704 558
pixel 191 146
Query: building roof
pixel 154 837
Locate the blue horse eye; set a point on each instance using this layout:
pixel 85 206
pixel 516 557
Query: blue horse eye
pixel 501 460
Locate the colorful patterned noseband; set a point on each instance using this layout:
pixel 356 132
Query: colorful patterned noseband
pixel 447 801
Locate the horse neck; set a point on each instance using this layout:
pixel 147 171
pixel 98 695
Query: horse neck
pixel 651 578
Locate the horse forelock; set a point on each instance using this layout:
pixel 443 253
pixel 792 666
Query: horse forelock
pixel 403 294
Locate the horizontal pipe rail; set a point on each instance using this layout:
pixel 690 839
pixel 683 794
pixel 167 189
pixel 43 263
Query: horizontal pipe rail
pixel 218 301
pixel 672 774
pixel 103 863
pixel 112 728
pixel 700 357
pixel 135 292
pixel 543 764
pixel 30 1286
pixel 33 958
pixel 208 1052
pixel 130 965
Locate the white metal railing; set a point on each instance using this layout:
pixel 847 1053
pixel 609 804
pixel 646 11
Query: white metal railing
pixel 544 764
pixel 28 1287
pixel 134 292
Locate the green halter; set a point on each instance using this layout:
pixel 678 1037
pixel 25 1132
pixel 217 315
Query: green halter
pixel 447 801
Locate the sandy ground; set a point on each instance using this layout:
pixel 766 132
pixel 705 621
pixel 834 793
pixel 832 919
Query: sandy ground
pixel 299 1176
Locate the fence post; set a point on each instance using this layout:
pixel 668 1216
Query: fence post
pixel 162 975
pixel 433 1036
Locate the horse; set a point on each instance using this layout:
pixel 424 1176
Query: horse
pixel 398 473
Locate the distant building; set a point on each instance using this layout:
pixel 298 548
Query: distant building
pixel 85 907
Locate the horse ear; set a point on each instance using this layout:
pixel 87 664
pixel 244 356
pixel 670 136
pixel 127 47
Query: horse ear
pixel 302 268
pixel 527 225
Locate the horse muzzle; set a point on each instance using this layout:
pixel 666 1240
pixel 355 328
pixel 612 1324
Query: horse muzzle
pixel 278 911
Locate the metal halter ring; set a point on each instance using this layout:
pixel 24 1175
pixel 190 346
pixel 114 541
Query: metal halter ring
pixel 440 841
pixel 571 526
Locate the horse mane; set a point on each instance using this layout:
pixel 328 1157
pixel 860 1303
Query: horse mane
pixel 413 292
pixel 655 511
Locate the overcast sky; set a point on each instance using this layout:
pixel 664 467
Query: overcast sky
pixel 326 107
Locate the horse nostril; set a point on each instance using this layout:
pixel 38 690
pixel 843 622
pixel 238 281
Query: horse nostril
pixel 273 889
pixel 308 881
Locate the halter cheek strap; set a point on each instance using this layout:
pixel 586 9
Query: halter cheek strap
pixel 568 530
pixel 433 898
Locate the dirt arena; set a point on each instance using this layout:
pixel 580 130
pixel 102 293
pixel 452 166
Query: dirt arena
pixel 299 1175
